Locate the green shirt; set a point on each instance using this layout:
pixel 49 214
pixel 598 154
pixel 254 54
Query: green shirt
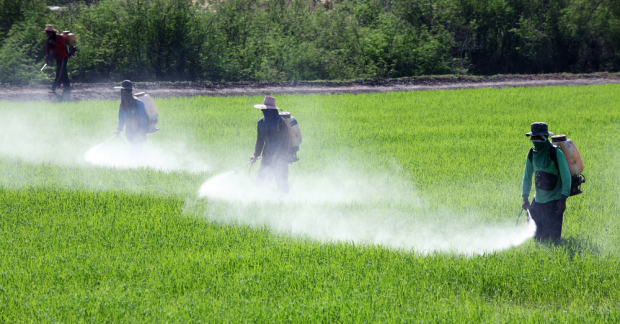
pixel 561 190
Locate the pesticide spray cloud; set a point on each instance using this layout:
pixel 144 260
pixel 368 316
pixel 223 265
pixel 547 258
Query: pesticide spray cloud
pixel 37 136
pixel 341 186
pixel 340 205
pixel 173 158
pixel 335 204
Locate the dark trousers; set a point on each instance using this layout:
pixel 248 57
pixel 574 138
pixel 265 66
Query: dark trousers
pixel 61 74
pixel 136 139
pixel 276 168
pixel 548 221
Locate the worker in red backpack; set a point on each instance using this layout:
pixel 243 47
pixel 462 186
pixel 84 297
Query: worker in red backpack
pixel 56 50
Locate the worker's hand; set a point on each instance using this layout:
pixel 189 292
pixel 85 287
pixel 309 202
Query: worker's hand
pixel 117 132
pixel 561 206
pixel 526 204
pixel 253 159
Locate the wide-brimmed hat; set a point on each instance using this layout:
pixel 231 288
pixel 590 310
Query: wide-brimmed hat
pixel 50 27
pixel 268 103
pixel 125 85
pixel 538 129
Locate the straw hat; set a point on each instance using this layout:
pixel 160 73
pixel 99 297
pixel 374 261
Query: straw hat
pixel 268 103
pixel 50 28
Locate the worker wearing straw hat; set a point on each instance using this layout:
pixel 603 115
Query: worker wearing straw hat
pixel 56 50
pixel 272 140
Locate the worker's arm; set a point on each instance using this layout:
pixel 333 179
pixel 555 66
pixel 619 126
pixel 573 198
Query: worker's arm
pixel 48 52
pixel 564 174
pixel 260 141
pixel 526 186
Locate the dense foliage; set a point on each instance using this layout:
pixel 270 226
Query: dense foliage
pixel 310 39
pixel 80 243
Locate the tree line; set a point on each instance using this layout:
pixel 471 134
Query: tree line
pixel 282 40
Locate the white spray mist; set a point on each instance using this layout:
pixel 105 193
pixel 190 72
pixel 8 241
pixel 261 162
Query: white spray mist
pixel 341 205
pixel 44 137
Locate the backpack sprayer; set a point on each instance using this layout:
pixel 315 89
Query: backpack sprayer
pixel 294 135
pixel 573 160
pixel 152 113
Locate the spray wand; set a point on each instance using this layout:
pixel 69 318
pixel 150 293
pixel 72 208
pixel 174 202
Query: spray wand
pixel 258 158
pixel 111 138
pixel 529 216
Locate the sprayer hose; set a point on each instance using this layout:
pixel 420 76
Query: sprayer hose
pixel 519 216
pixel 250 170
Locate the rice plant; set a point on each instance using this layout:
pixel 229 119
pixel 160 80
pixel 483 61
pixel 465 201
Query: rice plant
pixel 383 182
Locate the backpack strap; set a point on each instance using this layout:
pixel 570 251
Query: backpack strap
pixel 262 121
pixel 553 155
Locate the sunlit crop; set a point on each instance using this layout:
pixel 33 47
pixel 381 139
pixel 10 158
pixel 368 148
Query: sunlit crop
pixel 392 193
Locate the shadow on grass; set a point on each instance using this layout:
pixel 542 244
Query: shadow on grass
pixel 574 245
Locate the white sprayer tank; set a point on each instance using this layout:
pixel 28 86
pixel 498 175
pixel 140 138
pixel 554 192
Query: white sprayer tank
pixel 149 105
pixel 151 110
pixel 295 132
pixel 69 38
pixel 573 158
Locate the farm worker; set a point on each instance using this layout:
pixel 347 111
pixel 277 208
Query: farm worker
pixel 56 49
pixel 272 139
pixel 132 114
pixel 553 181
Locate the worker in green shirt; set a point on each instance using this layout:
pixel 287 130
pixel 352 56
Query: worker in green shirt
pixel 552 179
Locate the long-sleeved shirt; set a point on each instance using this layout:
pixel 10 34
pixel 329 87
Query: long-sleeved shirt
pixel 274 143
pixel 134 117
pixel 561 190
pixel 59 47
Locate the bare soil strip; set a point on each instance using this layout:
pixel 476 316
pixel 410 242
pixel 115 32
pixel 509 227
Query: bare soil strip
pixel 94 91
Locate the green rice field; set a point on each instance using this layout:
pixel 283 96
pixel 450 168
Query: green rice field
pixel 402 209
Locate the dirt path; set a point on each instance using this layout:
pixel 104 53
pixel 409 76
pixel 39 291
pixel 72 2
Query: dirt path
pixel 89 91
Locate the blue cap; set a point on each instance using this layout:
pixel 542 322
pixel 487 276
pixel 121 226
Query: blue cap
pixel 125 85
pixel 538 129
